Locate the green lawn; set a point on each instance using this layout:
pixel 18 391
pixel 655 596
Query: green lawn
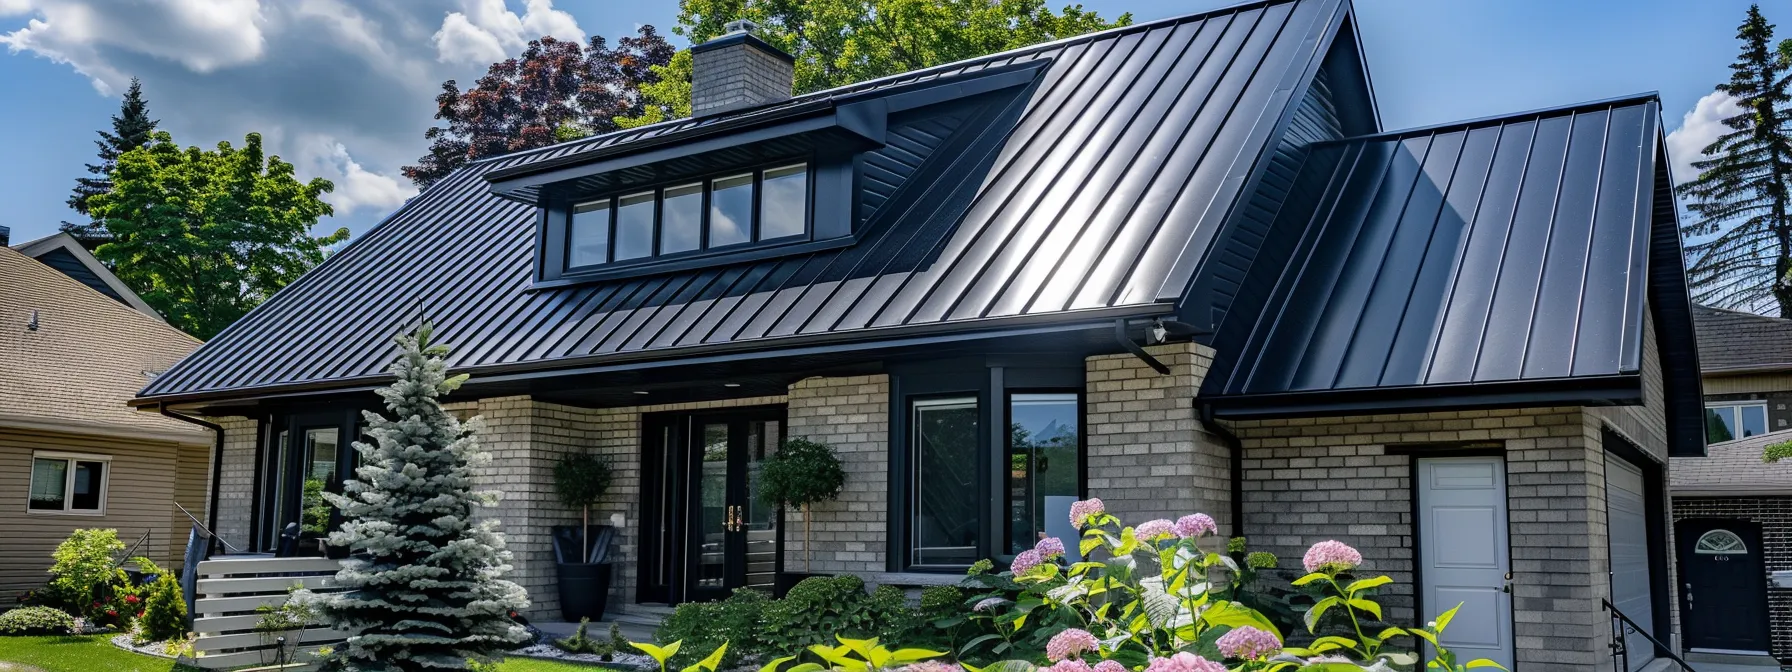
pixel 96 652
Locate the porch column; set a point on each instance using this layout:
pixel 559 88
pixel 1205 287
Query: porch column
pixel 1149 455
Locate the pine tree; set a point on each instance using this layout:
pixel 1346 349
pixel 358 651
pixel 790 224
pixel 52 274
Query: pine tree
pixel 131 128
pixel 424 581
pixel 1740 193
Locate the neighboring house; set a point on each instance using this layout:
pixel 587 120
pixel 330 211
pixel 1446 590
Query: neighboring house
pixel 1733 521
pixel 62 252
pixel 1747 363
pixel 72 453
pixel 1186 248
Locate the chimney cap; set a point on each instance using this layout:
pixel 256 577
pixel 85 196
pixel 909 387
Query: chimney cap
pixel 741 32
pixel 740 26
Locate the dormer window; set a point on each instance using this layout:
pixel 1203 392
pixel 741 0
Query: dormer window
pixel 729 211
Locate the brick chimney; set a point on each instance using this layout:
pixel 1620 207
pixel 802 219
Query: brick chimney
pixel 738 70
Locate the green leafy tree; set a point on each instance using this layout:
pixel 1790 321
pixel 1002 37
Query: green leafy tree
pixel 1740 194
pixel 424 585
pixel 205 236
pixel 581 479
pixel 801 473
pixel 839 42
pixel 131 128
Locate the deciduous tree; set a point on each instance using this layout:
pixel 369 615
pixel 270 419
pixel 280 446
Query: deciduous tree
pixel 556 90
pixel 204 236
pixel 839 42
pixel 1740 194
pixel 131 128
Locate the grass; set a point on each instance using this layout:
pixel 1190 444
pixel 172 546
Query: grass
pixel 96 652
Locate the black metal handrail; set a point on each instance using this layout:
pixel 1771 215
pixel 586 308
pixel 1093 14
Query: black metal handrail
pixel 1622 626
pixel 132 551
pixel 209 534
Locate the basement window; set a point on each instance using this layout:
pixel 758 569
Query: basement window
pixel 67 483
pixel 727 212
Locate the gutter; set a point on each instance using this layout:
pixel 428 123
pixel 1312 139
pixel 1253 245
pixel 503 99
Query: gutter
pixel 211 516
pixel 1237 465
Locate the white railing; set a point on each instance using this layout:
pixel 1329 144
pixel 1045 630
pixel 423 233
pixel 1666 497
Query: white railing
pixel 230 589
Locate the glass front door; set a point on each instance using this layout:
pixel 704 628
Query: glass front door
pixel 711 532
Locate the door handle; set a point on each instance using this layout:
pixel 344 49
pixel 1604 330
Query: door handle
pixel 1689 597
pixel 728 519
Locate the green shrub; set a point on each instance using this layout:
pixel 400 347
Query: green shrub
pixel 36 621
pixel 581 642
pixel 704 626
pixel 164 611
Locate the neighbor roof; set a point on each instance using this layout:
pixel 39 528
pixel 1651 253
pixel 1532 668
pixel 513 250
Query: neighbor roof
pixel 62 252
pixel 70 357
pixel 1733 469
pixel 1735 342
pixel 1501 254
pixel 1092 194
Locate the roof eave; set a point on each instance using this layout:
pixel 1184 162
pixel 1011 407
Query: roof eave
pixel 1625 389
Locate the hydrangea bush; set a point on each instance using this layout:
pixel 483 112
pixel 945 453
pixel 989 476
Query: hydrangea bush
pixel 1155 598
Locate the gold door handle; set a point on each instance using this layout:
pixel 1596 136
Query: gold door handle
pixel 731 519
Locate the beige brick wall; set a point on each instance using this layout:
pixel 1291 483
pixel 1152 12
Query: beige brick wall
pixel 1149 455
pixel 236 486
pixel 851 414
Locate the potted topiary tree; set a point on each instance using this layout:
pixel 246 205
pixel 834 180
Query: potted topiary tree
pixel 581 479
pixel 801 473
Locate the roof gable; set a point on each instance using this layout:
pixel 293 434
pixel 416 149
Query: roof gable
pixel 62 252
pixel 1094 192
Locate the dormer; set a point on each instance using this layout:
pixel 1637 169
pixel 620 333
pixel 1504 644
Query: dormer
pixel 753 175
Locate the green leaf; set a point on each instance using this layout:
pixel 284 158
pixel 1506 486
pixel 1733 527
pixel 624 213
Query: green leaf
pixel 1318 610
pixel 1009 666
pixel 776 663
pixel 1365 584
pixel 912 655
pixel 1367 605
pixel 1315 576
pixel 1483 662
pixel 710 662
pixel 1401 658
pixel 658 653
pixel 1392 632
pixel 1332 667
pixel 968 646
pixel 1235 615
pixel 1159 606
pixel 1443 620
pixel 807 667
pixel 1425 635
pixel 1089 545
pixel 1335 642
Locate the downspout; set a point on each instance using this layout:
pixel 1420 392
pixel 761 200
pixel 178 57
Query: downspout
pixel 211 516
pixel 1237 465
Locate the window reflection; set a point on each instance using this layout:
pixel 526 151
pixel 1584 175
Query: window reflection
pixel 1043 466
pixel 681 219
pixel 731 210
pixel 784 209
pixel 634 226
pixel 945 518
pixel 1728 422
pixel 589 234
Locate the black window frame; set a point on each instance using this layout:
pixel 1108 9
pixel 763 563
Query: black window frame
pixel 273 507
pixel 992 381
pixel 707 182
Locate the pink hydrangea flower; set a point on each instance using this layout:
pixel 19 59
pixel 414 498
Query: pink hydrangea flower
pixel 1248 643
pixel 1196 525
pixel 932 666
pixel 1110 666
pixel 1184 662
pixel 1081 510
pixel 1070 644
pixel 1025 561
pixel 1049 547
pixel 1069 665
pixel 1331 556
pixel 988 604
pixel 1152 530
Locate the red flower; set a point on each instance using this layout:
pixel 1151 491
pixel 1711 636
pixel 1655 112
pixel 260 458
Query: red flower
pixel 139 614
pixel 132 599
pixel 112 612
pixel 96 604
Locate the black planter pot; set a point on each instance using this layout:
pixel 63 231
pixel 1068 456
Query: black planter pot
pixel 584 590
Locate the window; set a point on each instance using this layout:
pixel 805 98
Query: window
pixel 1044 467
pixel 944 500
pixel 65 483
pixel 723 212
pixel 1720 542
pixel 1731 421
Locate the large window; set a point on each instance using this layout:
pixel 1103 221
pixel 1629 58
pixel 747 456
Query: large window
pixel 1730 421
pixel 65 483
pixel 992 457
pixel 738 209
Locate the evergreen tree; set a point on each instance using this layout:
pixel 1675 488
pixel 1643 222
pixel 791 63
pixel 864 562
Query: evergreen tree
pixel 1740 194
pixel 424 581
pixel 131 128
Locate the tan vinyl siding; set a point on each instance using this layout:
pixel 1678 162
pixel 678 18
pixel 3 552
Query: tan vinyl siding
pixel 1745 384
pixel 192 484
pixel 141 483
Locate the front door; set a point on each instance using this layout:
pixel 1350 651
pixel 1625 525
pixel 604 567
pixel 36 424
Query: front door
pixel 1724 601
pixel 1463 554
pixel 709 532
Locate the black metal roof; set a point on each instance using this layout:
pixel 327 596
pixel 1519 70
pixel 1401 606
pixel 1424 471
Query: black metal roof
pixel 1096 192
pixel 1498 257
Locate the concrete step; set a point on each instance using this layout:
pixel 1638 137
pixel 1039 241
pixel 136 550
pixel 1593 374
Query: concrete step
pixel 1722 660
pixel 658 609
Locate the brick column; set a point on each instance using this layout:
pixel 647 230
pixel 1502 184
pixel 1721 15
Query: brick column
pixel 853 415
pixel 1149 455
pixel 236 480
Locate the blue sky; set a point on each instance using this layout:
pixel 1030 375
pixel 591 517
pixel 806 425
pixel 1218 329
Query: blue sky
pixel 344 89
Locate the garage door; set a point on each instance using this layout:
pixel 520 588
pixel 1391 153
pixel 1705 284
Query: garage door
pixel 1628 525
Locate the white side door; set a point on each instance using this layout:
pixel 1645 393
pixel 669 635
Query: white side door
pixel 1463 553
pixel 1627 523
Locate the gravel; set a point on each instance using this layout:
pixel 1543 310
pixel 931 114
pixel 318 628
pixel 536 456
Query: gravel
pixel 618 660
pixel 157 649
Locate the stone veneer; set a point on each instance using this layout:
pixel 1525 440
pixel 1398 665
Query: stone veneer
pixel 1149 455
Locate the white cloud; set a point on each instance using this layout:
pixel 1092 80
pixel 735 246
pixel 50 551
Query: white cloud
pixel 356 188
pixel 1698 129
pixel 343 88
pixel 487 31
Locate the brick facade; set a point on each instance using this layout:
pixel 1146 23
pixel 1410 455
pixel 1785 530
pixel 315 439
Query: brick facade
pixel 853 415
pixel 1149 455
pixel 1774 515
pixel 236 480
pixel 738 75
